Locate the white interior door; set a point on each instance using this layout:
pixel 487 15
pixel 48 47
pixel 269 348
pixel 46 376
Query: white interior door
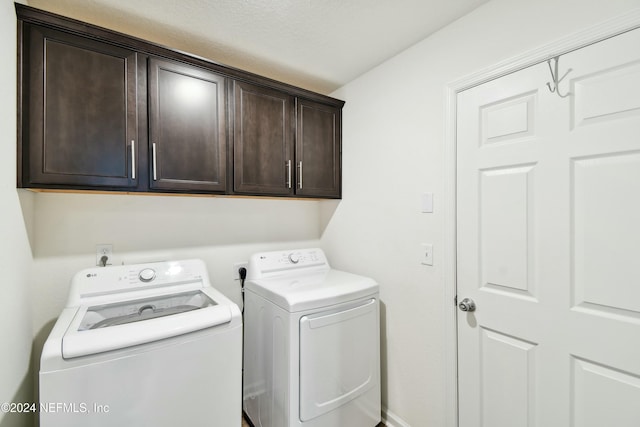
pixel 548 244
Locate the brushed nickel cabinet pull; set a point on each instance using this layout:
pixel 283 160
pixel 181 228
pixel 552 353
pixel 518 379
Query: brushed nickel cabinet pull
pixel 288 173
pixel 133 159
pixel 300 174
pixel 154 162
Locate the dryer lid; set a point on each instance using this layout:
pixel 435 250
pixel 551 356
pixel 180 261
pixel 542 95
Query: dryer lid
pixel 299 292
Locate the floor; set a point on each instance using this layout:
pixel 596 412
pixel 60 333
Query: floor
pixel 246 424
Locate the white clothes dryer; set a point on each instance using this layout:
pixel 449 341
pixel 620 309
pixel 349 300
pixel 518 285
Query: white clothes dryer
pixel 311 343
pixel 143 345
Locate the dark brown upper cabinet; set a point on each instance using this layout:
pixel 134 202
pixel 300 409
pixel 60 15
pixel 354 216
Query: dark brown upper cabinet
pixel 318 130
pixel 285 146
pixel 79 123
pixel 187 128
pixel 263 140
pixel 101 110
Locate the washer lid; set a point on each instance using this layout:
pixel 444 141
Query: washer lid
pixel 298 292
pixel 121 313
pixel 96 329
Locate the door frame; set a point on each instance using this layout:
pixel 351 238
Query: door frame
pixel 607 29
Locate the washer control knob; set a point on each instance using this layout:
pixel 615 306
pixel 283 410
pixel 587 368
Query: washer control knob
pixel 147 275
pixel 294 258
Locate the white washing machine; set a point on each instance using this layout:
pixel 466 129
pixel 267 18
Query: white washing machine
pixel 311 343
pixel 143 345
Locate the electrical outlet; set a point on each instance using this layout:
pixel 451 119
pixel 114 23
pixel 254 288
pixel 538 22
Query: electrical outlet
pixel 104 250
pixel 426 255
pixel 237 266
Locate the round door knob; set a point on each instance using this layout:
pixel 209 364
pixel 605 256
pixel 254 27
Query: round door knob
pixel 467 304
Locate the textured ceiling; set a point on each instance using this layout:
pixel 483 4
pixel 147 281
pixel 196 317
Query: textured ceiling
pixel 316 44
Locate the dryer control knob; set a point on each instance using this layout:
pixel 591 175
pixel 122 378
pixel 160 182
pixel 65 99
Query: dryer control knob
pixel 294 258
pixel 147 275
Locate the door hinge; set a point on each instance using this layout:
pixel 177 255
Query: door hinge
pixel 455 300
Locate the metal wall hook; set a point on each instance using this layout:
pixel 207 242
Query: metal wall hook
pixel 554 76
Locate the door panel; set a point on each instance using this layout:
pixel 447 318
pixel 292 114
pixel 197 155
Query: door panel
pixel 547 229
pixel 263 140
pixel 508 120
pixel 605 252
pixel 507 401
pixel 603 395
pixel 330 377
pixel 318 168
pixel 188 141
pixel 607 95
pixel 505 213
pixel 81 103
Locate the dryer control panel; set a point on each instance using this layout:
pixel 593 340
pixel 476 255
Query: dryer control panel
pixel 268 264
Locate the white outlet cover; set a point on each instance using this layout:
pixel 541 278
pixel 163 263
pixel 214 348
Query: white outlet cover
pixel 104 249
pixel 237 266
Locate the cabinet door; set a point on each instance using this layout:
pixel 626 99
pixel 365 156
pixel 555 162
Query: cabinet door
pixel 79 112
pixel 187 132
pixel 318 169
pixel 263 140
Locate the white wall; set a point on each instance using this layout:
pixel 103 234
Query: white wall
pixel 221 231
pixel 15 252
pixel 393 151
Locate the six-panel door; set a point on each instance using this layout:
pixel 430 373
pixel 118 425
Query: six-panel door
pixel 548 206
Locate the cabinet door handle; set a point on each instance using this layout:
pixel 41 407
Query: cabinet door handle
pixel 153 147
pixel 300 174
pixel 288 173
pixel 133 159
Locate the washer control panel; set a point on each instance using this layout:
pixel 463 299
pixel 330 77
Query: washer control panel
pixel 268 263
pixel 124 278
pixel 165 273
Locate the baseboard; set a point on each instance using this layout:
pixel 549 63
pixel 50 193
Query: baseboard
pixel 389 419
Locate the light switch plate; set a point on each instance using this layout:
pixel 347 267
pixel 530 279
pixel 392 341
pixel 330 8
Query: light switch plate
pixel 426 203
pixel 426 254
